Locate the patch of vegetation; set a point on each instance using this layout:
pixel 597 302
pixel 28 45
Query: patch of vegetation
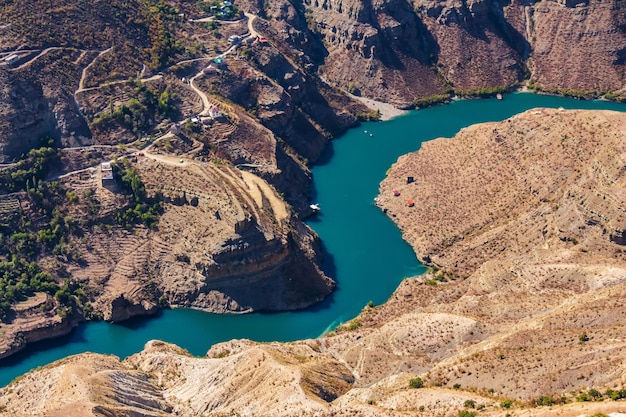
pixel 594 395
pixel 484 91
pixel 20 279
pixel 615 394
pixel 548 400
pixel 508 403
pixel 46 230
pixel 466 413
pixel 416 383
pixel 579 94
pixel 143 111
pixel 32 167
pixel 469 404
pixel 430 101
pixel 619 97
pixel 372 115
pixel 144 210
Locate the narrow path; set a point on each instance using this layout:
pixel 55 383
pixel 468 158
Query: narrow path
pixel 81 83
pixel 210 18
pixel 18 51
pixel 206 104
pixel 81 56
pixel 251 18
pixel 42 53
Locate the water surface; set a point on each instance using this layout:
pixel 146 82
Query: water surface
pixel 366 254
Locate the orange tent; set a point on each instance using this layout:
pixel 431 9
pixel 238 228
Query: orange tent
pixel 410 203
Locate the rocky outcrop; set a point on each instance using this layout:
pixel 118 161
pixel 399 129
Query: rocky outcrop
pixel 120 308
pixel 32 321
pixel 225 243
pixel 577 45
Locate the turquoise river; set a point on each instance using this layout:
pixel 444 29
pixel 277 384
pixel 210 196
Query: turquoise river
pixel 366 254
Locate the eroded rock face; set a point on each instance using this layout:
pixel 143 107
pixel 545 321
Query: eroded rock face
pixel 577 45
pixel 399 52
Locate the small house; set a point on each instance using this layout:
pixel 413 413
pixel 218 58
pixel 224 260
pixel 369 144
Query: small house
pixel 214 112
pixel 210 70
pixel 107 171
pixel 12 59
pixel 234 39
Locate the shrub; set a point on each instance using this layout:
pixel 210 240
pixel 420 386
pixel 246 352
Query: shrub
pixel 465 413
pixel 615 394
pixel 544 400
pixel 506 403
pixel 416 383
pixel 595 394
pixel 469 404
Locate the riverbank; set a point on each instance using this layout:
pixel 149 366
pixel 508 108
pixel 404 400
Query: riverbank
pixel 387 111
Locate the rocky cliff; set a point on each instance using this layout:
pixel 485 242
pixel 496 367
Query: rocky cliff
pixel 225 243
pixel 403 52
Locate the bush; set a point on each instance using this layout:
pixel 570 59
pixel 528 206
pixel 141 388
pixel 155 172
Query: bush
pixel 506 403
pixel 544 400
pixel 595 394
pixel 465 413
pixel 615 394
pixel 469 404
pixel 416 383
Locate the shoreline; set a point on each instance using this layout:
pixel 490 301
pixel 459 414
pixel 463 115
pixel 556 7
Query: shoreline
pixel 387 111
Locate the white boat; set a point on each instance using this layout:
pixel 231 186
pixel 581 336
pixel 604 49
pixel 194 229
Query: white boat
pixel 499 96
pixel 314 207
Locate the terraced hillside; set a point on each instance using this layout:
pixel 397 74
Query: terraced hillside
pixel 224 242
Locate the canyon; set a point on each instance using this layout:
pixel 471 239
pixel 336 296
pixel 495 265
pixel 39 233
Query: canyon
pixel 528 327
pixel 522 222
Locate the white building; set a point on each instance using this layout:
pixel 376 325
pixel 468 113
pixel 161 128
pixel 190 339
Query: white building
pixel 12 59
pixel 107 171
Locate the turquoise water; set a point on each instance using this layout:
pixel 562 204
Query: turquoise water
pixel 366 254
